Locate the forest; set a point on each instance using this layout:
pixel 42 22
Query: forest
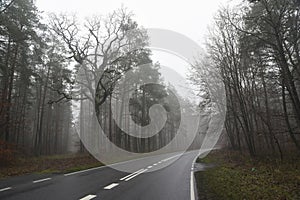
pixel 255 45
pixel 51 91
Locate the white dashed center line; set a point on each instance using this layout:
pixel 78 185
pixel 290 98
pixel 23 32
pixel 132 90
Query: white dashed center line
pixel 169 158
pixel 41 180
pixel 5 189
pixel 111 186
pixel 88 197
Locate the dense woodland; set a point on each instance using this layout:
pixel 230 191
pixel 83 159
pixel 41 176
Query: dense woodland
pixel 33 73
pixel 51 90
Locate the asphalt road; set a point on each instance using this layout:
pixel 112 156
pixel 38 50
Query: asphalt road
pixel 174 182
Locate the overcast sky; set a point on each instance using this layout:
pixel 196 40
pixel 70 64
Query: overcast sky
pixel 189 17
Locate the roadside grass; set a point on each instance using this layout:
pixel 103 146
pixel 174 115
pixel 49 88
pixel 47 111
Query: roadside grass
pixel 83 167
pixel 49 164
pixel 239 177
pixel 55 164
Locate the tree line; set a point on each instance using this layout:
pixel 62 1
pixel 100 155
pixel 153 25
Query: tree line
pixel 255 47
pixel 32 69
pixel 58 78
pixel 61 76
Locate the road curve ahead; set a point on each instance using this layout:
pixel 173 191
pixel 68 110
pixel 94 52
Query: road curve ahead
pixel 172 182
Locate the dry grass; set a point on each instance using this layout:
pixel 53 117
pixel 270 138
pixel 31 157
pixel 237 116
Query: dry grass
pixel 49 164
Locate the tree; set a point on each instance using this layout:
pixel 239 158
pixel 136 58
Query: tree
pixel 255 47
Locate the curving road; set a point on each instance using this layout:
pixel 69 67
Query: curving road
pixel 174 182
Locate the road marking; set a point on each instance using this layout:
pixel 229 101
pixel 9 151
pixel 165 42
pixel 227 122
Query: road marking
pixel 5 189
pixel 111 186
pixel 192 186
pixel 86 170
pixel 41 180
pixel 192 189
pixel 119 163
pixel 136 175
pixel 149 167
pixel 88 197
pixel 155 164
pixel 131 174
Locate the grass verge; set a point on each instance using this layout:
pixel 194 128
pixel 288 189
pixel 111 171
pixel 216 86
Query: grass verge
pixel 49 164
pixel 239 177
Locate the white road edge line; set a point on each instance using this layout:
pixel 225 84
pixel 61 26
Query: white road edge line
pixel 131 174
pixel 41 180
pixel 86 170
pixel 5 189
pixel 111 186
pixel 136 175
pixel 192 187
pixel 88 197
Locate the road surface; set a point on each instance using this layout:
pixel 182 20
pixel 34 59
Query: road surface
pixel 174 182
